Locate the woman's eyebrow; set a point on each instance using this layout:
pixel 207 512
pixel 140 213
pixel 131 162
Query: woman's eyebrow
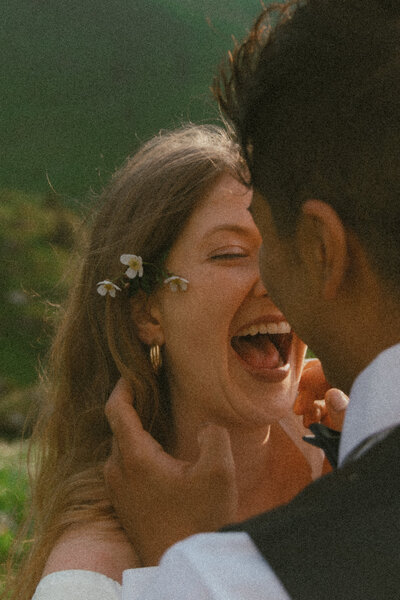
pixel 228 227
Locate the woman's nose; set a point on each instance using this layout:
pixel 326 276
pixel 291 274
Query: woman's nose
pixel 259 288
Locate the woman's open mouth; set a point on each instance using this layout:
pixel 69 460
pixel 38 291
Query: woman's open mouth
pixel 264 346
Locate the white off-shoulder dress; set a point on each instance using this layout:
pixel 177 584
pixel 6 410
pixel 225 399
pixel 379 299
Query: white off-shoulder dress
pixel 76 584
pixel 88 585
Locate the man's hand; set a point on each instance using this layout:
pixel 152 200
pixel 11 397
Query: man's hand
pixel 317 401
pixel 161 500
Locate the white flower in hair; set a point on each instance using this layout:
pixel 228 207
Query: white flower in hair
pixel 176 284
pixel 107 287
pixel 135 264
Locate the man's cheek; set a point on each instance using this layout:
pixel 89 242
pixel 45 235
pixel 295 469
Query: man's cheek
pixel 263 266
pixel 267 270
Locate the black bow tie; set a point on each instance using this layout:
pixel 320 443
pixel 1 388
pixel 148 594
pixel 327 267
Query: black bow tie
pixel 327 439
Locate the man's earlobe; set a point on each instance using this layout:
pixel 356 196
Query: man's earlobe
pixel 333 251
pixel 147 320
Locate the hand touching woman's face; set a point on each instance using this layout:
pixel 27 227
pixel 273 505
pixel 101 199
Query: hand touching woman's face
pixel 230 355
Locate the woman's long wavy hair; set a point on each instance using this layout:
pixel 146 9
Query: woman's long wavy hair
pixel 142 211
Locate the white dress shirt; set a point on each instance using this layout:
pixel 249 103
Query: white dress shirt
pixel 227 566
pixel 374 401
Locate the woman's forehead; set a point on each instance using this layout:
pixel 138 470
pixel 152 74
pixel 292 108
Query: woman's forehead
pixel 225 205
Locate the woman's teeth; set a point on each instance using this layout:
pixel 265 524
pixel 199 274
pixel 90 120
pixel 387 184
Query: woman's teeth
pixel 271 328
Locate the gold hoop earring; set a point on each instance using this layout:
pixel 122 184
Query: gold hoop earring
pixel 155 357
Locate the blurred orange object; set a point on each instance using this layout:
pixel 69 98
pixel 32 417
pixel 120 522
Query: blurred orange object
pixel 310 401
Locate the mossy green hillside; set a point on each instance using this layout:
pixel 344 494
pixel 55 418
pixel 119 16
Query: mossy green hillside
pixel 36 236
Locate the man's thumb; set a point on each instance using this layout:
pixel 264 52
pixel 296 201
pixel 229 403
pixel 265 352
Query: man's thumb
pixel 215 450
pixel 336 403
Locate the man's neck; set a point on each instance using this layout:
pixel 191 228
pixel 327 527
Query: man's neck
pixel 357 337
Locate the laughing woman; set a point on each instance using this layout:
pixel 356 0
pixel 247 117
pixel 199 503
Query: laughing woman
pixel 169 296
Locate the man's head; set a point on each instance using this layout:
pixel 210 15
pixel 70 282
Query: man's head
pixel 315 101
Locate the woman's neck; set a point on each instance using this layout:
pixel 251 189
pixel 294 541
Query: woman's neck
pixel 270 469
pixel 272 476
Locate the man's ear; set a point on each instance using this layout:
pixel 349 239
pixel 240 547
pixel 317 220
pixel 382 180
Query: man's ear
pixel 325 245
pixel 147 318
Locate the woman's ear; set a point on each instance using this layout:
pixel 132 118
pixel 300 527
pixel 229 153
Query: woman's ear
pixel 325 245
pixel 147 318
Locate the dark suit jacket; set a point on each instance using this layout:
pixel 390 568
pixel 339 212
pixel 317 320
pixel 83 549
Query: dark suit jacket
pixel 340 537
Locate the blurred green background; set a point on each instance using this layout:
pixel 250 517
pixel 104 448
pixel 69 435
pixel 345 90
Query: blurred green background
pixel 83 84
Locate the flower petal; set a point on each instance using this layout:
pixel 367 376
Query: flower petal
pixel 131 273
pixel 107 287
pixel 176 283
pixel 128 259
pixel 125 258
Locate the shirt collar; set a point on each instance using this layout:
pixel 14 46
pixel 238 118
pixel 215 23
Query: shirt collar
pixel 374 401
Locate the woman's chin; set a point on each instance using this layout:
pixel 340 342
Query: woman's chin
pixel 265 395
pixel 261 398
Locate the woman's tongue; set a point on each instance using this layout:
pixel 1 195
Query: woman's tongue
pixel 257 351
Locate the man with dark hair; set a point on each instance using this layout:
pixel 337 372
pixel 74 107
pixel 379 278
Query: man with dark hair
pixel 314 100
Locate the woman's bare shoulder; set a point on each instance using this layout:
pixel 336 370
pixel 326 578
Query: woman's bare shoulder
pixel 102 547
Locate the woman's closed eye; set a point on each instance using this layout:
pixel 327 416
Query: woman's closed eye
pixel 230 254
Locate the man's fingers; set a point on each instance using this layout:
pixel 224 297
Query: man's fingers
pixel 336 403
pixel 112 468
pixel 126 424
pixel 215 444
pixel 119 405
pixel 215 451
pixel 216 468
pixel 316 414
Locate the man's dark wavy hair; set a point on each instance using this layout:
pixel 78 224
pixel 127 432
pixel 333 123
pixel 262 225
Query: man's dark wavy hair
pixel 313 94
